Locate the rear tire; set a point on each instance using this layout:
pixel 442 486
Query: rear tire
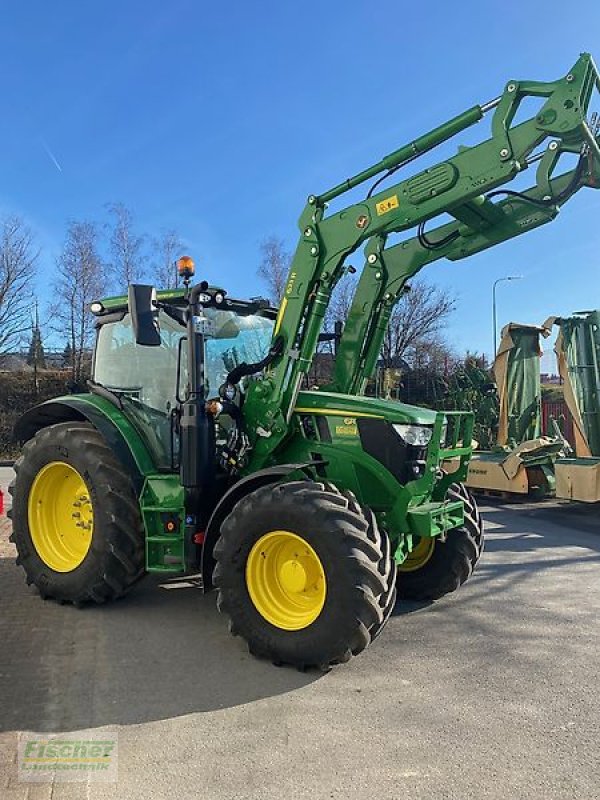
pixel 358 575
pixel 115 558
pixel 452 561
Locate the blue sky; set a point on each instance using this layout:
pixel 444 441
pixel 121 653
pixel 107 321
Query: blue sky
pixel 220 118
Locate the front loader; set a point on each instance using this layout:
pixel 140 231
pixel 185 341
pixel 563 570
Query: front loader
pixel 199 448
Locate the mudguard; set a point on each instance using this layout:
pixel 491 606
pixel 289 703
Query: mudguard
pixel 114 426
pixel 243 487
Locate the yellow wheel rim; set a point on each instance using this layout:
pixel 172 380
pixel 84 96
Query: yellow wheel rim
pixel 61 517
pixel 419 555
pixel 286 580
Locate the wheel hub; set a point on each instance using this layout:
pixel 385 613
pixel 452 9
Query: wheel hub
pixel 419 555
pixel 292 576
pixel 60 516
pixel 286 580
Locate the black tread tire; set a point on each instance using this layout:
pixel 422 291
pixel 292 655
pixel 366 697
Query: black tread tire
pixel 348 543
pixel 387 600
pixel 453 560
pixel 458 491
pixel 116 558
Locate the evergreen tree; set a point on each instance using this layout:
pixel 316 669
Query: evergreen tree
pixel 67 357
pixel 36 357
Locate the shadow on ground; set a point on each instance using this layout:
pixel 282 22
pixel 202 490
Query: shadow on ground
pixel 522 541
pixel 576 520
pixel 155 654
pixel 161 654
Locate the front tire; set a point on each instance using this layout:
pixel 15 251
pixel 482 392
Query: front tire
pixel 302 574
pixel 77 525
pixel 437 567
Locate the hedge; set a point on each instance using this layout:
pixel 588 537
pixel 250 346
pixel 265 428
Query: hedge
pixel 18 392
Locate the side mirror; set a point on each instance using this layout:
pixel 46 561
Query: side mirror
pixel 144 314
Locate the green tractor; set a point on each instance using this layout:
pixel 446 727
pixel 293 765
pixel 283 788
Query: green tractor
pixel 198 448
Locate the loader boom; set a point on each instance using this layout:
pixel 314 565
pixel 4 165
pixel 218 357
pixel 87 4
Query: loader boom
pixel 384 279
pixel 461 186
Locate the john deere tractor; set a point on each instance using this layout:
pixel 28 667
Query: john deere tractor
pixel 199 449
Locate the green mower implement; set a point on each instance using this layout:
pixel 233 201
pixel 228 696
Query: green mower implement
pixel 521 460
pixel 578 358
pixel 199 448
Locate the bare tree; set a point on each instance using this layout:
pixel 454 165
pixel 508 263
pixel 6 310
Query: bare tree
pixel 166 249
pixel 80 280
pixel 274 267
pixel 473 358
pixel 418 317
pixel 437 354
pixel 18 256
pixel 341 300
pixel 126 247
pixel 338 308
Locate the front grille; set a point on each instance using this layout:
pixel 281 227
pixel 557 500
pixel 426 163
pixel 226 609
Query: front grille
pixel 404 461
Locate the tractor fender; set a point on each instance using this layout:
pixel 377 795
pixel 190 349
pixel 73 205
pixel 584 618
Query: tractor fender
pixel 240 489
pixel 128 448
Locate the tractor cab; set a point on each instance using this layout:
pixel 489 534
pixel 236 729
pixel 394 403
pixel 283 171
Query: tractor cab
pixel 151 382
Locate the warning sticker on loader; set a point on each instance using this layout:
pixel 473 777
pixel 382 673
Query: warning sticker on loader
pixel 389 204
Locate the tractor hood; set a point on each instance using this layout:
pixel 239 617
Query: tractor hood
pixel 316 402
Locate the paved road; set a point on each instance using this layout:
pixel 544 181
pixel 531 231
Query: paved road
pixel 491 693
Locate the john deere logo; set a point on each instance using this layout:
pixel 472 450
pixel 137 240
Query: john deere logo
pixel 362 221
pixel 348 428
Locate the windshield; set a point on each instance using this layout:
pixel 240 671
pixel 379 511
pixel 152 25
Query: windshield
pixel 237 339
pixel 145 377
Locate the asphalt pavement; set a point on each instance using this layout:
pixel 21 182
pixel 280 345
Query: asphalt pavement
pixel 490 693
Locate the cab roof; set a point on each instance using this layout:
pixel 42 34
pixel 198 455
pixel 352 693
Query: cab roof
pixel 177 297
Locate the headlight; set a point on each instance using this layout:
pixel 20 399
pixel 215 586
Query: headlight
pixel 444 434
pixel 416 435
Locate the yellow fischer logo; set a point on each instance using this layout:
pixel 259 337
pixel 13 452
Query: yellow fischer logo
pixel 389 204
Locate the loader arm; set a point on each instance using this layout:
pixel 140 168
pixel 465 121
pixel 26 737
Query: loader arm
pixel 457 186
pixel 384 278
